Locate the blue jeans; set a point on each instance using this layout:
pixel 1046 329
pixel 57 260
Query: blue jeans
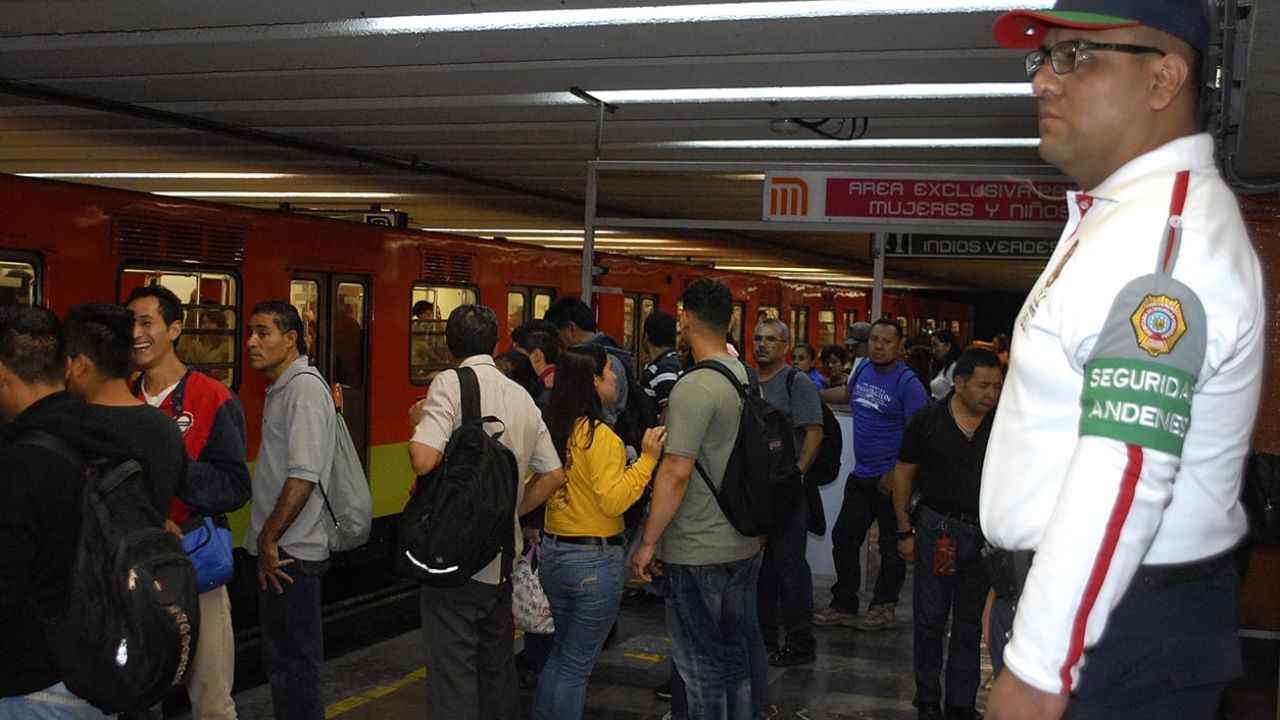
pixel 715 637
pixel 293 641
pixel 960 597
pixel 52 703
pixel 786 583
pixel 584 586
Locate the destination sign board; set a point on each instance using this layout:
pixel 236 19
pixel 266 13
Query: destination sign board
pixel 975 248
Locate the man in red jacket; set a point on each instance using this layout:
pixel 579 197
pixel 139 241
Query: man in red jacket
pixel 217 480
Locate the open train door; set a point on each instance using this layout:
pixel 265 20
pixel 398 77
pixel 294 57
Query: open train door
pixel 335 317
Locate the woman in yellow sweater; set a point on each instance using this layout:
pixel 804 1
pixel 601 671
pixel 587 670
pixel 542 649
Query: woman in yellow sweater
pixel 582 566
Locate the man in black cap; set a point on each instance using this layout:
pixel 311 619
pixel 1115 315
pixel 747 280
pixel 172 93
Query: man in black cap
pixel 1113 507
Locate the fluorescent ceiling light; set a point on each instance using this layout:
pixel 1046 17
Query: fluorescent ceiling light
pixel 598 241
pixel 157 175
pixel 673 14
pixel 509 232
pixel 819 93
pixel 253 195
pixel 520 20
pixel 774 268
pixel 879 143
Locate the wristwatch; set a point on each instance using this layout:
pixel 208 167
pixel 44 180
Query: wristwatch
pixel 906 534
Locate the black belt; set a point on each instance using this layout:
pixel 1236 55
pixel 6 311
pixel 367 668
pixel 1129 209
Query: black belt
pixel 589 539
pixel 1007 571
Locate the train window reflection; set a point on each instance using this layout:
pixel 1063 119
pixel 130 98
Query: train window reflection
pixel 17 284
pixel 799 323
pixel 211 317
pixel 826 328
pixel 629 323
pixel 427 350
pixel 304 295
pixel 516 315
pixel 542 300
pixel 735 328
pixel 348 334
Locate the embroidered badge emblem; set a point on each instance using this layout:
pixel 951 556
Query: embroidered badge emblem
pixel 1158 323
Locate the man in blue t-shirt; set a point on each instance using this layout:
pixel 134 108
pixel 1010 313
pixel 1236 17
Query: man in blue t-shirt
pixel 883 394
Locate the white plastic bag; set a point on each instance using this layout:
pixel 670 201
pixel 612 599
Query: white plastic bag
pixel 529 605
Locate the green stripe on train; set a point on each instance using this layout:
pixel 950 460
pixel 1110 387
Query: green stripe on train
pixel 390 480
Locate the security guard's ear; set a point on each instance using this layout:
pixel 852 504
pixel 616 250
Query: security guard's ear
pixel 1171 75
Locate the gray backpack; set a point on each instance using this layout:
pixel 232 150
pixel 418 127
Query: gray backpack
pixel 346 499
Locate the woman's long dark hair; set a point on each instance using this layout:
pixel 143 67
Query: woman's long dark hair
pixel 573 395
pixel 953 350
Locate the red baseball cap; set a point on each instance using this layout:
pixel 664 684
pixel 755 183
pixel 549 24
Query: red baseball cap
pixel 1183 19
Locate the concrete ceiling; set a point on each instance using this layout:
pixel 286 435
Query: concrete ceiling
pixel 477 129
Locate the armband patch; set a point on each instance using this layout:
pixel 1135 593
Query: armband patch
pixel 1139 402
pixel 1158 323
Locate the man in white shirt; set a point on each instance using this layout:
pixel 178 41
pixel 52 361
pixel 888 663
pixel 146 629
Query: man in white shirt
pixel 1113 500
pixel 471 669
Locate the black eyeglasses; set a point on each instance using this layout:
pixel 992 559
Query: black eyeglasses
pixel 1063 56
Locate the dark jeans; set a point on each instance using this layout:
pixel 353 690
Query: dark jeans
pixel 1166 652
pixel 785 580
pixel 863 504
pixel 934 599
pixel 292 639
pixel 715 637
pixel 471 670
pixel 584 586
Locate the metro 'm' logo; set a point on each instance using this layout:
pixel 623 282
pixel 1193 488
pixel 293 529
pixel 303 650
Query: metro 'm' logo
pixel 788 196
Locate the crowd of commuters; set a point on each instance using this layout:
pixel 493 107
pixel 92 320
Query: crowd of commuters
pixel 107 381
pixel 1108 535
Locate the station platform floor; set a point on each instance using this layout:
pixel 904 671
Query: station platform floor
pixel 857 676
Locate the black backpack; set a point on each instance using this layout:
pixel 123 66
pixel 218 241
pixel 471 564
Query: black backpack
pixel 462 512
pixel 639 414
pixel 760 481
pixel 128 631
pixel 826 466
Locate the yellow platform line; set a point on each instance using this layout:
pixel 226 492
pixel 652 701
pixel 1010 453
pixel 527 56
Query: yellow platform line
pixel 348 704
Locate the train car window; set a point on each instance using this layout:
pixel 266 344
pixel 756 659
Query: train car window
pixel 955 328
pixel 542 300
pixel 768 311
pixel 850 319
pixel 799 323
pixel 211 322
pixel 735 329
pixel 304 295
pixel 427 349
pixel 906 328
pixel 349 334
pixel 826 328
pixel 679 332
pixel 517 308
pixel 629 323
pixel 19 282
pixel 648 305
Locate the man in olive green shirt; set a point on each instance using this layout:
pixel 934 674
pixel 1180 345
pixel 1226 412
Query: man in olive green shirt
pixel 710 568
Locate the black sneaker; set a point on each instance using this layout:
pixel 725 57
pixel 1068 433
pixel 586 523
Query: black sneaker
pixel 663 691
pixel 954 712
pixel 790 657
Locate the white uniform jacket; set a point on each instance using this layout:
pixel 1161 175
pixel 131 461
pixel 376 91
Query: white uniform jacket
pixel 1126 415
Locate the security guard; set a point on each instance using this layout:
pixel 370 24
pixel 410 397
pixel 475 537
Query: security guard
pixel 1112 485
